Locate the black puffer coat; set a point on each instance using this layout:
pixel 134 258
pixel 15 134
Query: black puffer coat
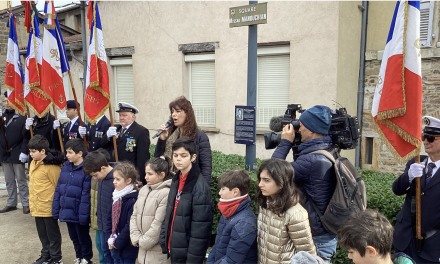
pixel 192 222
pixel 17 144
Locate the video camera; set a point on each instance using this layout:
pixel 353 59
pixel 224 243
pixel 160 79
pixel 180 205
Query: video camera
pixel 344 129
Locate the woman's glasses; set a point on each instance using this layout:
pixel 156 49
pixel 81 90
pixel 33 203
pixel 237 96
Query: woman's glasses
pixel 429 138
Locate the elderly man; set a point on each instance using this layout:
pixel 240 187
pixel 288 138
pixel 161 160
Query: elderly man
pixel 132 139
pixel 427 171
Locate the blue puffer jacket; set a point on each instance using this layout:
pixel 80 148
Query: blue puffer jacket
pixel 105 201
pixel 71 200
pixel 236 240
pixel 314 175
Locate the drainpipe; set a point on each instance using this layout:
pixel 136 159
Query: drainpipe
pixel 84 46
pixel 360 105
pixel 73 55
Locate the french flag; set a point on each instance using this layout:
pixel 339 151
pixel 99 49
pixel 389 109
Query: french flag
pixel 55 62
pixel 397 102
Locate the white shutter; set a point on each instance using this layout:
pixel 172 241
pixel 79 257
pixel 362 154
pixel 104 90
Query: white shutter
pixel 124 84
pixel 202 92
pixel 426 18
pixel 273 87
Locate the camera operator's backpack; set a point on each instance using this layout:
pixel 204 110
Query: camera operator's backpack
pixel 349 195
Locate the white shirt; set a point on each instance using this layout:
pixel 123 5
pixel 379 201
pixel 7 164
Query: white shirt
pixel 72 122
pixel 437 165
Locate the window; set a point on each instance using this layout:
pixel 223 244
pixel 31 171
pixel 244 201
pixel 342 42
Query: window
pixel 124 87
pixel 369 143
pixel 202 87
pixel 273 81
pixel 426 22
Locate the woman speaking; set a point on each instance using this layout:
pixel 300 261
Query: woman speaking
pixel 184 125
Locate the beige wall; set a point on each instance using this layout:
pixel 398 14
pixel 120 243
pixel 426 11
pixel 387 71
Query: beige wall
pixel 380 14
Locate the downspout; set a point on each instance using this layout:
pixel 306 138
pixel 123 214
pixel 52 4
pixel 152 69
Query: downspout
pixel 360 105
pixel 73 55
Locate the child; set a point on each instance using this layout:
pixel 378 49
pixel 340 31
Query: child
pixel 189 205
pixel 236 240
pixel 44 172
pixel 118 222
pixel 149 211
pixel 368 237
pixel 96 165
pixel 283 224
pixel 71 202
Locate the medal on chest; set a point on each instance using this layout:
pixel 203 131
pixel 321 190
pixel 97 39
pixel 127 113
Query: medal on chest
pixel 131 143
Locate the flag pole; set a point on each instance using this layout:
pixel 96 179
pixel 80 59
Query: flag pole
pixel 58 129
pixel 77 108
pixel 29 116
pixel 419 238
pixel 110 110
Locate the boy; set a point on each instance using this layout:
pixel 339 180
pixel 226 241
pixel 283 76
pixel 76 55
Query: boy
pixel 44 172
pixel 236 240
pixel 189 205
pixel 71 201
pixel 368 237
pixel 96 165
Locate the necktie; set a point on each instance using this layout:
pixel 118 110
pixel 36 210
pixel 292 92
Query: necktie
pixel 430 167
pixel 123 131
pixel 68 127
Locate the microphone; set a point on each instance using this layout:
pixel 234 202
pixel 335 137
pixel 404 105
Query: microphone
pixel 167 124
pixel 275 124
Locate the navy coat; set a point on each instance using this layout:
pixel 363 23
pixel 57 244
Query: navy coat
pixel 430 199
pixel 96 132
pixel 124 248
pixel 105 200
pixel 236 240
pixel 73 133
pixel 314 175
pixel 14 133
pixel 71 200
pixel 44 126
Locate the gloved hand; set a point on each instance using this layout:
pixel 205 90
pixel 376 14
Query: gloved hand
pixel 82 131
pixel 111 132
pixel 23 157
pixel 415 171
pixel 29 122
pixel 1 111
pixel 56 123
pixel 111 239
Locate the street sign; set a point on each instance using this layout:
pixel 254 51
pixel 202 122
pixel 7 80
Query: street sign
pixel 248 15
pixel 244 125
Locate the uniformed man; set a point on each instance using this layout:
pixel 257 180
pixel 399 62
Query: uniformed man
pixel 45 126
pixel 70 129
pixel 95 132
pixel 132 139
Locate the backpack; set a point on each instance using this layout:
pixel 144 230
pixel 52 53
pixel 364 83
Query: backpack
pixel 349 195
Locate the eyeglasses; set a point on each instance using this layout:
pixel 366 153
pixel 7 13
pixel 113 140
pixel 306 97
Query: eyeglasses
pixel 429 138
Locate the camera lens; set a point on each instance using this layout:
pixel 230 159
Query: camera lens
pixel 271 140
pixel 295 124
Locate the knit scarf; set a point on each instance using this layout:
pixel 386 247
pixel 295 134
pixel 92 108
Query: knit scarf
pixel 116 210
pixel 228 206
pixel 325 141
pixel 169 147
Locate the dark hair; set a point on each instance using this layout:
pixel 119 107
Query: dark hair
pixel 189 128
pixel 128 171
pixel 94 161
pixel 76 145
pixel 366 228
pixel 159 165
pixel 105 153
pixel 237 178
pixel 38 142
pixel 186 143
pixel 289 195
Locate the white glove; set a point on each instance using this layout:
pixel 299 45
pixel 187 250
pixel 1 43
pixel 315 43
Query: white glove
pixel 1 111
pixel 82 131
pixel 56 123
pixel 111 132
pixel 111 239
pixel 23 157
pixel 415 171
pixel 29 122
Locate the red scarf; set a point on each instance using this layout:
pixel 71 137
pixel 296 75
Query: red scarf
pixel 228 207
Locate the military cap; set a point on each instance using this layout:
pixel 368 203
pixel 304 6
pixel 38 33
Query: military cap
pixel 431 126
pixel 125 107
pixel 71 104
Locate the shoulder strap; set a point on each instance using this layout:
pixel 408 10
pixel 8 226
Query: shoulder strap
pixel 325 153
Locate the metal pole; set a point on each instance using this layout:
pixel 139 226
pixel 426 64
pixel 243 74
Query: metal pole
pixel 84 46
pixel 251 150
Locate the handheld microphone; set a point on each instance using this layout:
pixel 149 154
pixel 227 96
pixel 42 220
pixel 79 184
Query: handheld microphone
pixel 167 124
pixel 275 123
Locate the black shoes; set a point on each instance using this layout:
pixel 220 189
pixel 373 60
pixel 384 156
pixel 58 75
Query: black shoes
pixel 42 260
pixel 26 210
pixel 8 209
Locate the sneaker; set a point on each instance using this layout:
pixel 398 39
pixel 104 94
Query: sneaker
pixel 56 261
pixel 85 261
pixel 42 260
pixel 77 261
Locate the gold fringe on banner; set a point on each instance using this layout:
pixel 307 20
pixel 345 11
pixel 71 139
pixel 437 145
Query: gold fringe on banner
pixel 93 121
pixel 36 112
pixel 49 27
pixel 99 89
pixel 391 113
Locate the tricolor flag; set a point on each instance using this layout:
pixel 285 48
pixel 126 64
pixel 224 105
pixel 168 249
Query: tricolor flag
pixel 33 94
pixel 14 72
pixel 97 96
pixel 397 103
pixel 55 62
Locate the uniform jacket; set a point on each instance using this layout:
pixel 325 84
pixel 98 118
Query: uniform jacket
pixel 430 199
pixel 281 237
pixel 236 240
pixel 73 133
pixel 71 201
pixel 93 203
pixel 17 143
pixel 43 178
pixel 44 126
pixel 133 146
pixel 124 248
pixel 105 201
pixel 192 222
pixel 146 220
pixel 314 175
pixel 96 132
pixel 203 151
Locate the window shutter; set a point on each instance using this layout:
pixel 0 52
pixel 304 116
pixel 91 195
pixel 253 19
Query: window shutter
pixel 273 87
pixel 202 92
pixel 124 84
pixel 426 18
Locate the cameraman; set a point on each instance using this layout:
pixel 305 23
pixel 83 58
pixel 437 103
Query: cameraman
pixel 314 173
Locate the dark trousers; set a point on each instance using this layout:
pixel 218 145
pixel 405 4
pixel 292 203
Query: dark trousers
pixel 79 234
pixel 107 254
pixel 50 237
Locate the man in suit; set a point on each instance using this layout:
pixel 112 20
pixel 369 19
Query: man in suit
pixel 69 129
pixel 95 132
pixel 132 139
pixel 427 171
pixel 45 126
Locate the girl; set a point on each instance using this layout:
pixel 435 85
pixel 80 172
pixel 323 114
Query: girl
pixel 149 211
pixel 283 224
pixel 117 230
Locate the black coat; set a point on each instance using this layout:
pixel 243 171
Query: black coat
pixel 192 222
pixel 16 141
pixel 73 133
pixel 96 132
pixel 133 146
pixel 430 200
pixel 44 126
